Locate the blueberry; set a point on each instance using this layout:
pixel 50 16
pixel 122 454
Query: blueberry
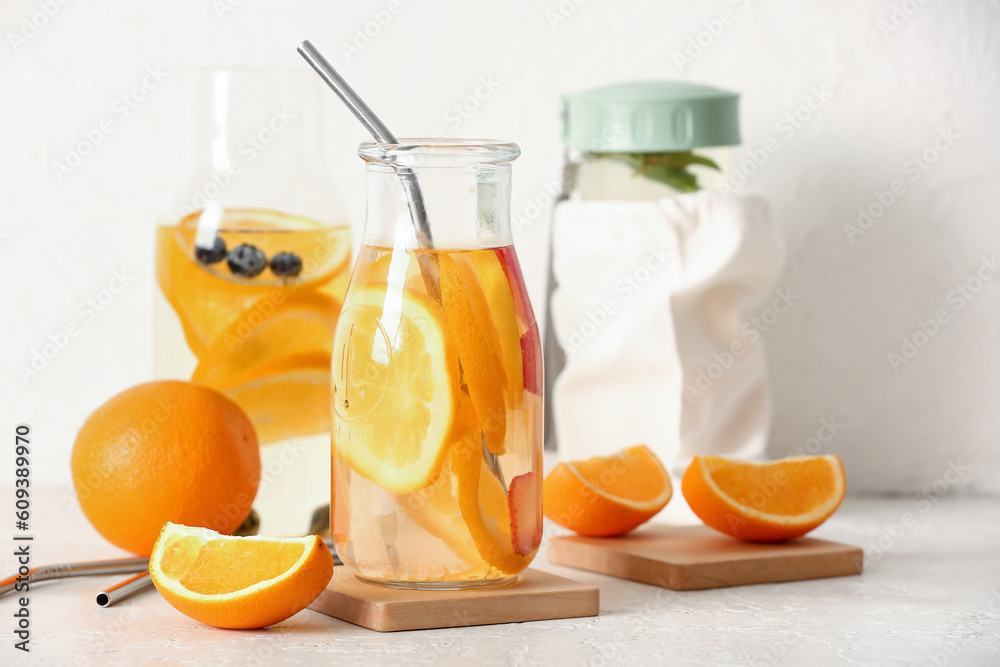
pixel 286 264
pixel 246 260
pixel 212 255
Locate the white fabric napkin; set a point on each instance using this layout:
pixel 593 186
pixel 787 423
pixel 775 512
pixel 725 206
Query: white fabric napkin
pixel 650 307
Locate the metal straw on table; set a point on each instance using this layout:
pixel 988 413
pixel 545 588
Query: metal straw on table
pixel 138 567
pixel 67 570
pixel 124 589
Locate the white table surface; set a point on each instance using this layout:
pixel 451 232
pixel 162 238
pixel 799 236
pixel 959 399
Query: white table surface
pixel 933 597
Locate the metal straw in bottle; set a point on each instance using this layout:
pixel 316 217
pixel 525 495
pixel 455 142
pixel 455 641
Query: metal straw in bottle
pixel 414 198
pixel 378 130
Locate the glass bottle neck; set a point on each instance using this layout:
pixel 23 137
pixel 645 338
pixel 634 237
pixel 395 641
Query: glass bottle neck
pixel 466 207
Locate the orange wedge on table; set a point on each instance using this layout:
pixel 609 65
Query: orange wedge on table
pixel 764 502
pixel 395 382
pixel 605 496
pixel 238 582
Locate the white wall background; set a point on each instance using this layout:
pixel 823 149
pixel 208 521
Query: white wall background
pixel 898 73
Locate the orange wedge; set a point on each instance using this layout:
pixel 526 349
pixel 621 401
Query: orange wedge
pixel 287 397
pixel 238 582
pixel 395 383
pixel 299 323
pixel 606 496
pixel 476 340
pixel 764 502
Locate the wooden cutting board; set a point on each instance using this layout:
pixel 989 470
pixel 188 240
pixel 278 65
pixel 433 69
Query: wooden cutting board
pixel 695 557
pixel 535 596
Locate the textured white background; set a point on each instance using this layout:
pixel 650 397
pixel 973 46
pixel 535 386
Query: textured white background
pixel 892 90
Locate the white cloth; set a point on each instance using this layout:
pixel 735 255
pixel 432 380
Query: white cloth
pixel 649 306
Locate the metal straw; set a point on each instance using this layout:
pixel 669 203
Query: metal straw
pixel 66 570
pixel 381 133
pixel 429 269
pixel 124 589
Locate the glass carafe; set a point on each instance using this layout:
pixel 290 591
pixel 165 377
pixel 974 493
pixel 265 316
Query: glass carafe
pixel 437 377
pixel 252 262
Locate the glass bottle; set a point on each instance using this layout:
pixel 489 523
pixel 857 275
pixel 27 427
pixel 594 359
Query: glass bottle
pixel 437 378
pixel 252 262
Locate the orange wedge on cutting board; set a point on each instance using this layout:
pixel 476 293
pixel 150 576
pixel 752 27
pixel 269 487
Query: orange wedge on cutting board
pixel 764 502
pixel 606 496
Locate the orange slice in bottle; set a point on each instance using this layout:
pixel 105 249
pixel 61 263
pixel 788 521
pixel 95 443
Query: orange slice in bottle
pixel 207 298
pixel 482 502
pixel 435 509
pixel 395 379
pixel 503 314
pixel 764 502
pixel 476 340
pixel 269 329
pixel 238 582
pixel 286 397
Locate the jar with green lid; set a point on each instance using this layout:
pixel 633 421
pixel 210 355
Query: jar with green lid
pixel 647 140
pixel 655 260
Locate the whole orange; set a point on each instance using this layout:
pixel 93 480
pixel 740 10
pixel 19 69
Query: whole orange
pixel 165 451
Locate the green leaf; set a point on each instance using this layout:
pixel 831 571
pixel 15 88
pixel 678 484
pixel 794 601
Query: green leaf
pixel 670 168
pixel 678 178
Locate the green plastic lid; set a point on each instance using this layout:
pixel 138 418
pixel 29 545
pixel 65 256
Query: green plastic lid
pixel 650 117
